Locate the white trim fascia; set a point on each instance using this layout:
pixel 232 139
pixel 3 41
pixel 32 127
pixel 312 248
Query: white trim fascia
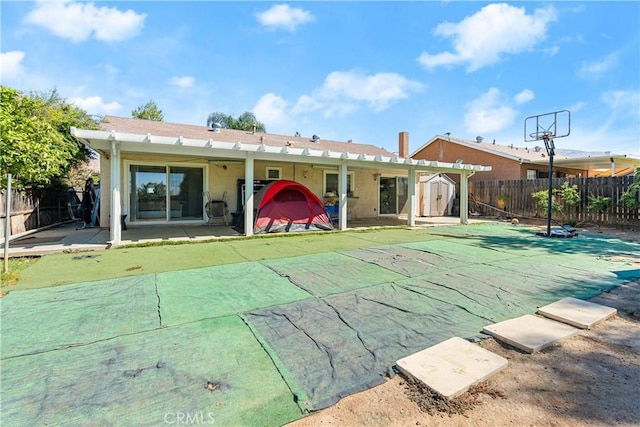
pixel 595 159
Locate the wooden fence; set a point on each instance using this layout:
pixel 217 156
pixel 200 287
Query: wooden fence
pixel 29 211
pixel 513 198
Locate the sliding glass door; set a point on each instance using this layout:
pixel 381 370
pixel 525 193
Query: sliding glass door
pixel 166 193
pixel 393 195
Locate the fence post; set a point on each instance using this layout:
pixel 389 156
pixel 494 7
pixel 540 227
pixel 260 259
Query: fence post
pixel 7 225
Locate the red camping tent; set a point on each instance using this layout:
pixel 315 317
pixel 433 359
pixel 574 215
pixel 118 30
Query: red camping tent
pixel 283 206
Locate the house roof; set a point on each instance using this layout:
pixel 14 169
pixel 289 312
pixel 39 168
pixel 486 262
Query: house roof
pixel 152 137
pixel 138 126
pixel 538 155
pixel 602 165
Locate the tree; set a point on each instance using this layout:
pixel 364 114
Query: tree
pixel 63 116
pixel 36 144
pixel 569 195
pixel 220 119
pixel 148 111
pixel 245 121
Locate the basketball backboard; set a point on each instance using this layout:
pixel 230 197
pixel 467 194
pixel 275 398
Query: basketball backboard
pixel 547 126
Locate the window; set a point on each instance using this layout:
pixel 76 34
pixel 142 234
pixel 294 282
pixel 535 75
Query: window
pixel 532 174
pixel 273 174
pixel 331 183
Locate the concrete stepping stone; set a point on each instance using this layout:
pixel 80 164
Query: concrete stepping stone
pixel 576 312
pixel 530 333
pixel 452 366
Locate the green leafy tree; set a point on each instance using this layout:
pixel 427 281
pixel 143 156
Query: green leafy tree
pixel 245 121
pixel 36 145
pixel 148 111
pixel 63 116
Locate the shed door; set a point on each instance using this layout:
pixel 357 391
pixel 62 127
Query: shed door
pixel 439 197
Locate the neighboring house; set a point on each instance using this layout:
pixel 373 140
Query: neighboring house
pixel 158 173
pixel 529 162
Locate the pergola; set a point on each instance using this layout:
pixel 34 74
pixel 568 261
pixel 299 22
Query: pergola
pixel 112 144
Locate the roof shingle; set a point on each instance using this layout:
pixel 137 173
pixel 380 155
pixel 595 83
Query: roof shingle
pixel 143 127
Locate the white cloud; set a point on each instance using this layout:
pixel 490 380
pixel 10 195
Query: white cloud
pixel 623 103
pixel 184 81
pixel 79 21
pixel 598 69
pixel 490 112
pixel 524 97
pixel 485 37
pixel 11 64
pixel 577 106
pixel 95 105
pixel 271 110
pixel 345 91
pixel 109 68
pixel 283 16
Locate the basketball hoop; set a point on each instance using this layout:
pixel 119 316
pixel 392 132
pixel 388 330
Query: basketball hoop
pixel 544 135
pixel 545 127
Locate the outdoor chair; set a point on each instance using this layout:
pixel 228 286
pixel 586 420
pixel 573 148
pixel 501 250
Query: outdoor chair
pixel 217 209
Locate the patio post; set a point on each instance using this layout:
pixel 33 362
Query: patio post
pixel 248 196
pixel 115 229
pixel 411 208
pixel 342 189
pixel 464 198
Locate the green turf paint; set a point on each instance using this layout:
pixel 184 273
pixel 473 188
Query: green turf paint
pixel 58 269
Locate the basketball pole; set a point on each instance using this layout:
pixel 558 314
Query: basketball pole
pixel 548 142
pixel 546 130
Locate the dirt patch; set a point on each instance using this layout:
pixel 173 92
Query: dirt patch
pixel 432 403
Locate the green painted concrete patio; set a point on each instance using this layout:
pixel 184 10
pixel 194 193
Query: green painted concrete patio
pixel 260 331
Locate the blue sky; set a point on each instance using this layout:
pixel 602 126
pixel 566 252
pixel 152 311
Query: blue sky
pixel 343 70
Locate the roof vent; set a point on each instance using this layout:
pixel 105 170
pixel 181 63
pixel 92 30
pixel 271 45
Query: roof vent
pixel 537 148
pixel 315 138
pixel 216 127
pixel 479 139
